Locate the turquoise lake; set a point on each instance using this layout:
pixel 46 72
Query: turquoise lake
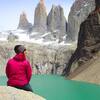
pixel 53 87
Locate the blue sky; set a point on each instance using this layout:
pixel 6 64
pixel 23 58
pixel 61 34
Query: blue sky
pixel 10 10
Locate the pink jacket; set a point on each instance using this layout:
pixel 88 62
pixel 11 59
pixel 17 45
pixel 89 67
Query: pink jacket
pixel 18 71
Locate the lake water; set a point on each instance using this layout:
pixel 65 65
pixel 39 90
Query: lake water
pixel 54 87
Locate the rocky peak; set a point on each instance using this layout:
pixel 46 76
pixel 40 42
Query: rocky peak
pixel 42 2
pixel 23 16
pixel 56 20
pixel 23 22
pixel 79 12
pixel 40 17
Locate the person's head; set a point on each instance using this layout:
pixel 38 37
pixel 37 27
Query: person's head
pixel 19 49
pixel 97 3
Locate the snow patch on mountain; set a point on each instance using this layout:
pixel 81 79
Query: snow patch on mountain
pixel 34 37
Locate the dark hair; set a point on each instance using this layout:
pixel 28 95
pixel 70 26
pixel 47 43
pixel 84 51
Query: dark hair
pixel 19 49
pixel 97 3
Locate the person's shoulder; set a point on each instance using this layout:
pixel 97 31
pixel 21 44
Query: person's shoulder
pixel 26 61
pixel 10 60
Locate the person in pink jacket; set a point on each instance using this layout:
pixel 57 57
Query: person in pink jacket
pixel 18 70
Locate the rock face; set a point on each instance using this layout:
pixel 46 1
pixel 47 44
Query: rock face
pixel 10 93
pixel 90 74
pixel 40 18
pixel 56 20
pixel 11 37
pixel 88 39
pixel 23 22
pixel 79 12
pixel 50 60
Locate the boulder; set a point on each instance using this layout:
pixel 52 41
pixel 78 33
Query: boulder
pixel 11 37
pixel 10 93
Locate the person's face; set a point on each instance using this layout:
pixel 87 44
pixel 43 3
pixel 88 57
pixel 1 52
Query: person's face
pixel 25 52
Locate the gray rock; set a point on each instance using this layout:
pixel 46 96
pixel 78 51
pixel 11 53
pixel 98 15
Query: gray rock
pixel 79 12
pixel 10 93
pixel 56 20
pixel 88 40
pixel 40 18
pixel 46 57
pixel 23 23
pixel 11 37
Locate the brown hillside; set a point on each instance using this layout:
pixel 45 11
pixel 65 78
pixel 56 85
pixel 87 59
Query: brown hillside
pixel 89 72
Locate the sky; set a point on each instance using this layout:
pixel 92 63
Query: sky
pixel 10 11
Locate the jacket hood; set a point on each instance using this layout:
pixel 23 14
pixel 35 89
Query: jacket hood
pixel 20 57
